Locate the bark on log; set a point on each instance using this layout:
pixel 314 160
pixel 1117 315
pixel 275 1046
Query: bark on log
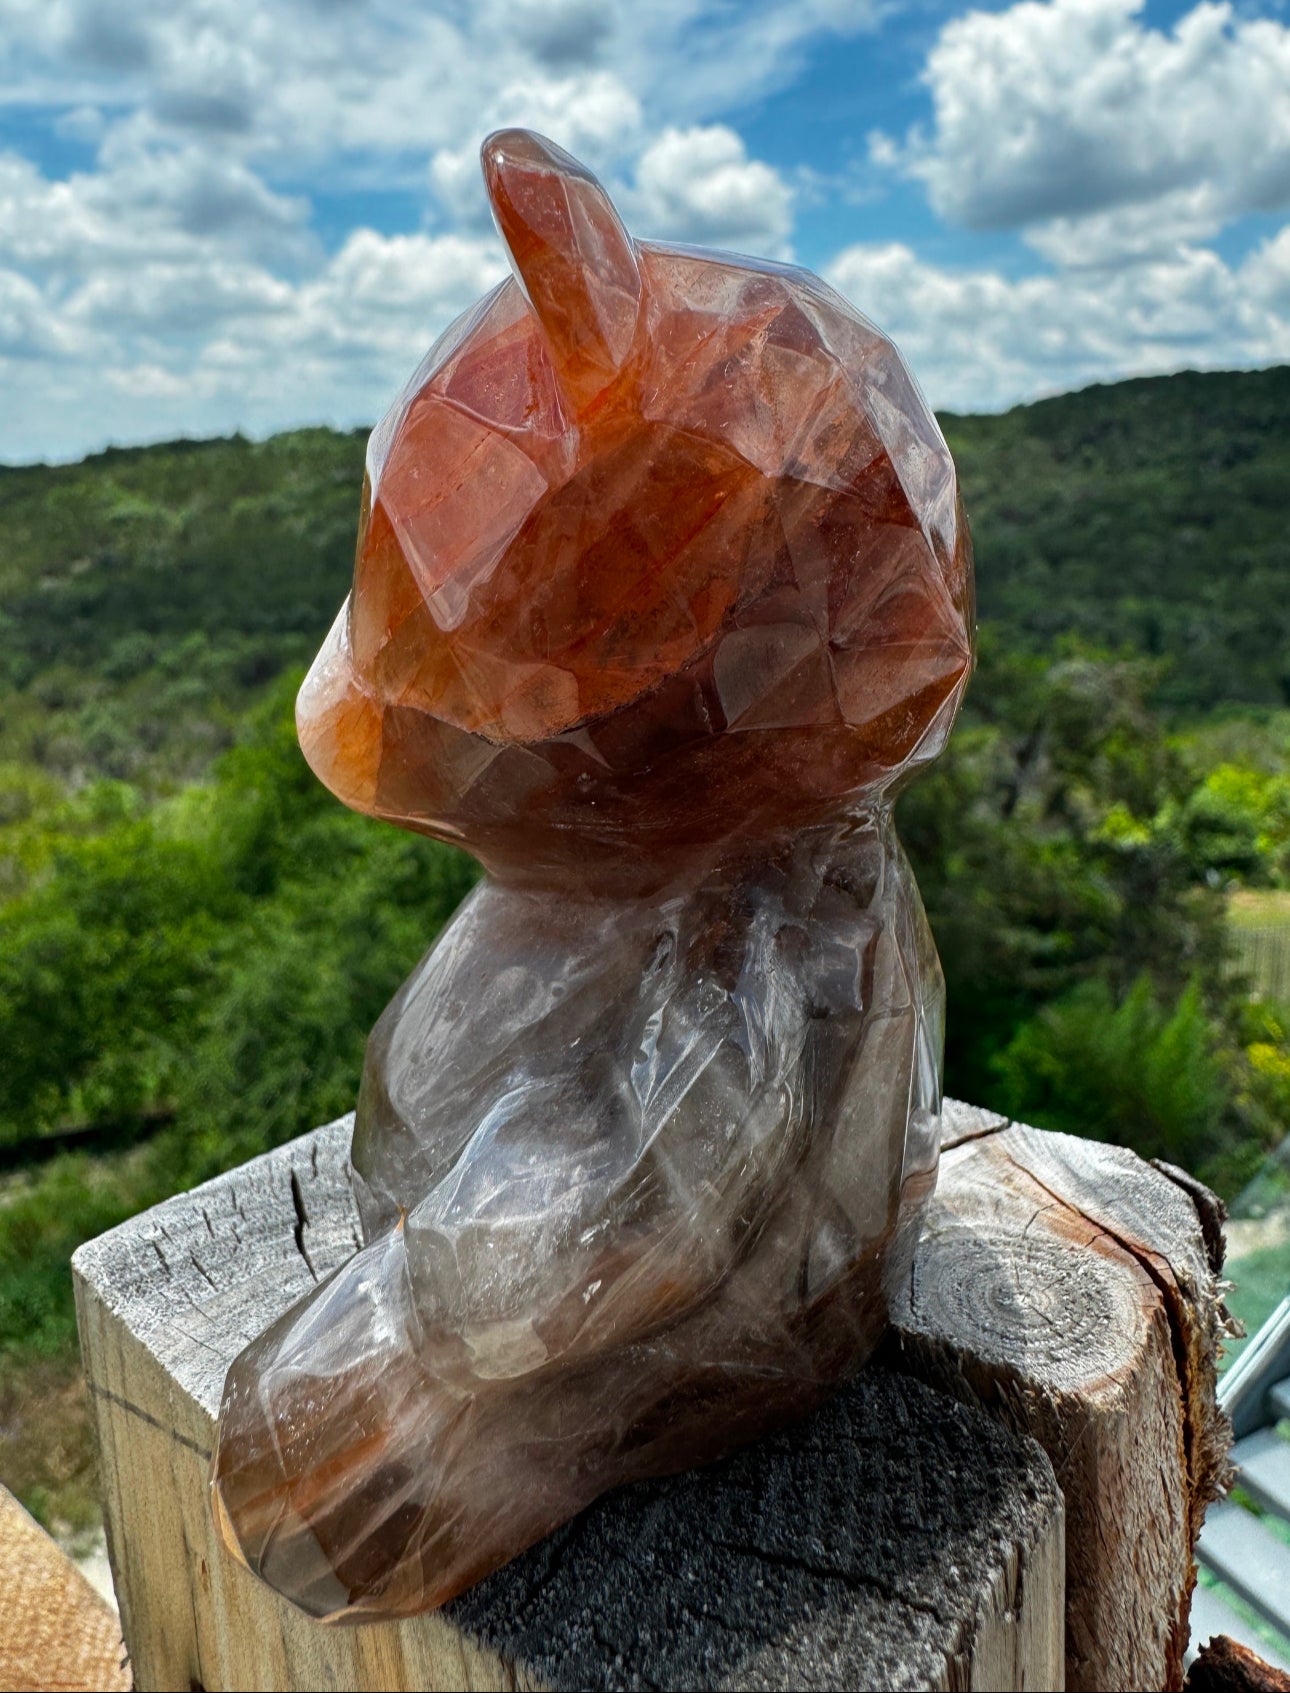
pixel 896 1539
pixel 1223 1665
pixel 1072 1290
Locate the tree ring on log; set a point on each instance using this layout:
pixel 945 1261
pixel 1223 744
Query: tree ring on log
pixel 1026 1301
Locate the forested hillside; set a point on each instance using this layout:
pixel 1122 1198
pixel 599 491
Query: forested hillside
pixel 147 594
pixel 1148 515
pixel 195 938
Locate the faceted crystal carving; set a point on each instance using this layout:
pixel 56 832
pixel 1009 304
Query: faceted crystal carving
pixel 662 587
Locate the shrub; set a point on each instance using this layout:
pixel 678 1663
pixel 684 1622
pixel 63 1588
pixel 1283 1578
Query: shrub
pixel 1144 1072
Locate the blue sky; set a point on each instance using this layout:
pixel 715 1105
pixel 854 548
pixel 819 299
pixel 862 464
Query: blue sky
pixel 217 217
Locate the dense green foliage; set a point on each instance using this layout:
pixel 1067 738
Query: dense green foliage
pixel 210 964
pixel 148 594
pixel 216 957
pixel 195 939
pixel 1077 877
pixel 1149 515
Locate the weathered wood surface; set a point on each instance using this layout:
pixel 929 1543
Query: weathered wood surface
pixel 1073 1291
pixel 896 1539
pixel 1068 1288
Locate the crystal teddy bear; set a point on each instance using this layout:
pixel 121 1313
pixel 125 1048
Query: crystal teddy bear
pixel 663 588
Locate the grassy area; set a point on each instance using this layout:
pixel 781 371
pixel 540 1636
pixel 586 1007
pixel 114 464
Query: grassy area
pixel 47 1456
pixel 1260 926
pixel 1258 1262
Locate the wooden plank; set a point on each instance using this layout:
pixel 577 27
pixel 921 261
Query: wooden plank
pixel 1263 1469
pixel 896 1539
pixel 56 1633
pixel 1253 1562
pixel 1073 1290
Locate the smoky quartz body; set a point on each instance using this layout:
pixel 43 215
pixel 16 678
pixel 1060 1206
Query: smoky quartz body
pixel 663 588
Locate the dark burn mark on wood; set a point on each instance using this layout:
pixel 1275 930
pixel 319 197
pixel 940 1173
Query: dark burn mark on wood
pixel 203 1452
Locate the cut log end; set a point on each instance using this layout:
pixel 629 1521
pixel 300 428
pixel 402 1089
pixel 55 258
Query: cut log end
pixel 1073 1290
pixel 895 1539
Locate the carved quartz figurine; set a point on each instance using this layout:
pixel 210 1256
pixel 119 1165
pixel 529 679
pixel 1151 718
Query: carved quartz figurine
pixel 663 588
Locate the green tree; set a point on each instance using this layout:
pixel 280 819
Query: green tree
pixel 1140 1071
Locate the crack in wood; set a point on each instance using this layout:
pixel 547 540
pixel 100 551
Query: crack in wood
pixel 1117 1439
pixel 302 1221
pixel 1166 1285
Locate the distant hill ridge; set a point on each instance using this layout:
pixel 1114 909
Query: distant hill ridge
pixel 1153 514
pixel 147 593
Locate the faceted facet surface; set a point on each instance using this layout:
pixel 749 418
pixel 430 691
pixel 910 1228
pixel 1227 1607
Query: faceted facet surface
pixel 662 587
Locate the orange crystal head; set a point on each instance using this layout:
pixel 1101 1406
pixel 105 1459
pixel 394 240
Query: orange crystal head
pixel 662 588
pixel 661 549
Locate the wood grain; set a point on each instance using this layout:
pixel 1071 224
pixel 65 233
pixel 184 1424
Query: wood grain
pixel 56 1634
pixel 1072 1290
pixel 1066 1288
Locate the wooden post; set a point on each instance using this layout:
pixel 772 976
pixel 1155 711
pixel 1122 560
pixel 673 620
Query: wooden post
pixel 895 1540
pixel 1073 1291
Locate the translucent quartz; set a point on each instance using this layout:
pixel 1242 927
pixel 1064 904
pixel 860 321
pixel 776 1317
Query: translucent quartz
pixel 662 586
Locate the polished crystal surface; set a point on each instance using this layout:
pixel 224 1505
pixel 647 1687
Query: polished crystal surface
pixel 662 588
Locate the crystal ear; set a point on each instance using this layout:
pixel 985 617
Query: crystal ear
pixel 571 255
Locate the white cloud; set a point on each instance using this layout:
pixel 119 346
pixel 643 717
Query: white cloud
pixel 188 281
pixel 592 115
pixel 179 284
pixel 30 332
pixel 175 348
pixel 1076 111
pixel 292 80
pixel 978 340
pixel 168 292
pixel 1117 151
pixel 143 206
pixel 559 33
pixel 700 185
pixel 695 184
pixel 1125 234
pixel 384 298
pixel 1268 274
